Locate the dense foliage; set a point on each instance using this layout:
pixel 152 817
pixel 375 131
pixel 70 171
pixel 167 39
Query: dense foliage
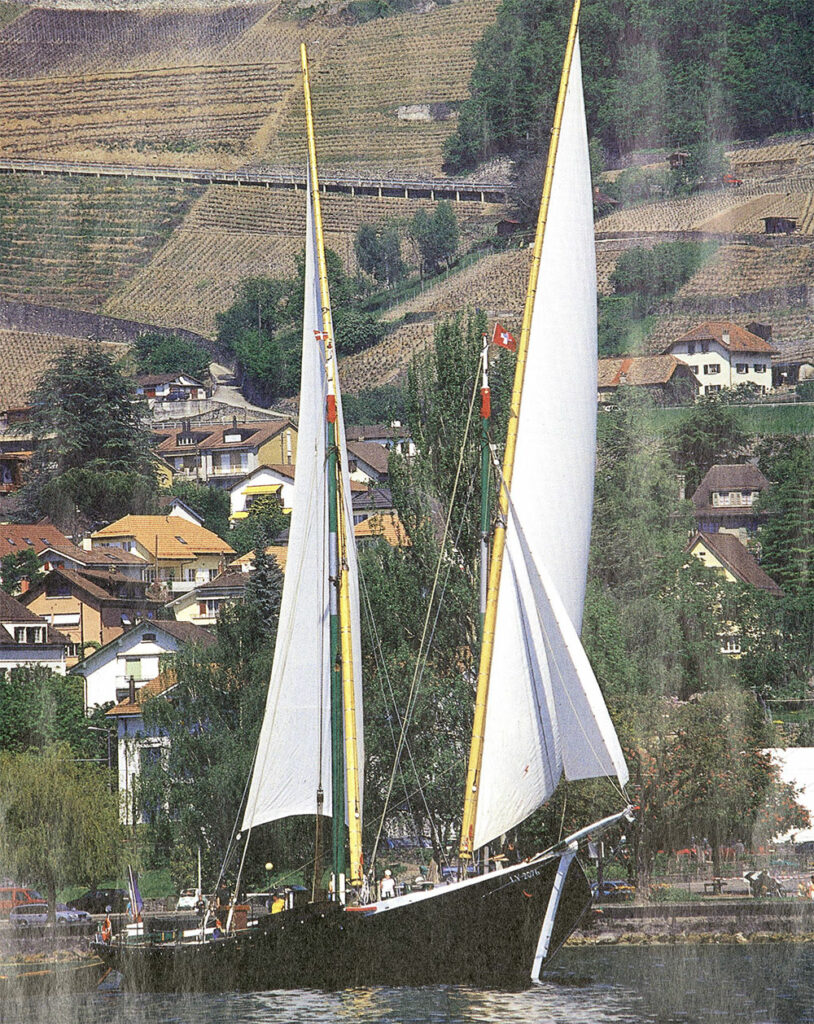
pixel 59 823
pixel 661 74
pixel 92 461
pixel 167 353
pixel 262 327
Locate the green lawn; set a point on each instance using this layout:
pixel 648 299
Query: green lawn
pixel 755 419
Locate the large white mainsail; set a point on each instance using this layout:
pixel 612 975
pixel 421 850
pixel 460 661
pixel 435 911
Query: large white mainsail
pixel 545 713
pixel 294 750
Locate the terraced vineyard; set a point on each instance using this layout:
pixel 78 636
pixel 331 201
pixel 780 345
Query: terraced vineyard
pixel 744 269
pixel 73 242
pixel 233 233
pixel 24 356
pixel 387 64
pixel 67 42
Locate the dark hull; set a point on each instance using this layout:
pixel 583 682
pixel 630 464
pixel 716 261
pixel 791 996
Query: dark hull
pixel 484 933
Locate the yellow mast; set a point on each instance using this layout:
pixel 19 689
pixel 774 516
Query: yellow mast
pixel 348 690
pixel 495 568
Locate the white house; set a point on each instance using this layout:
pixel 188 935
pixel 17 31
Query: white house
pixel 723 355
pixel 137 745
pixel 265 481
pixel 134 656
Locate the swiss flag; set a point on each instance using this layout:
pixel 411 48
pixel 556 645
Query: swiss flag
pixel 503 338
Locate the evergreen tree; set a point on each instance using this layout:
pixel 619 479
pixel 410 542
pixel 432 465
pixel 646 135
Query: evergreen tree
pixel 16 567
pixel 92 458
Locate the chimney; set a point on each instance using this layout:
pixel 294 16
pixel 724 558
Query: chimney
pixel 725 339
pixel 131 687
pixel 234 422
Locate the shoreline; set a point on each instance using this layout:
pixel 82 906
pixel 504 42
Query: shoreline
pixel 716 921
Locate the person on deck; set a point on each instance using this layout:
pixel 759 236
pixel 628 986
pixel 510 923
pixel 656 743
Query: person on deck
pixel 388 887
pixel 107 930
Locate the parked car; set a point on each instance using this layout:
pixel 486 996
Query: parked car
pixel 35 915
pixel 97 901
pixel 14 895
pixel 188 900
pixel 613 891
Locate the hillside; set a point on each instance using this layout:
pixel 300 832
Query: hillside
pixel 216 84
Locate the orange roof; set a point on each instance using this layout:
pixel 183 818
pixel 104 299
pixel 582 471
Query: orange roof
pixel 170 537
pixel 638 370
pixel 163 682
pixel 740 340
pixel 386 525
pixel 251 435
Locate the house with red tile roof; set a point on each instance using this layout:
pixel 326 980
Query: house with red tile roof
pixel 723 355
pixel 664 376
pixel 89 606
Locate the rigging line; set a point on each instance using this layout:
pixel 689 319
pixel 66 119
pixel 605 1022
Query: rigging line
pixel 419 790
pixel 382 673
pixel 551 656
pixel 416 674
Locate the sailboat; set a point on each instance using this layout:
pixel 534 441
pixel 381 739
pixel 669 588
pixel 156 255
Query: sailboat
pixel 539 711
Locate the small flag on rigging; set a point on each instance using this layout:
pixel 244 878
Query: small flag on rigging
pixel 504 338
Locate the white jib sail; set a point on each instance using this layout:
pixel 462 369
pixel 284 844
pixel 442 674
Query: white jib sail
pixel 293 754
pixel 541 718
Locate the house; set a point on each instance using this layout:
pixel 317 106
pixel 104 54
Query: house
pixel 371 501
pixel 664 376
pixel 26 639
pixel 170 505
pixel 137 744
pixel 394 436
pixel 723 355
pixel 169 387
pixel 134 658
pixel 724 501
pixel 265 481
pixel 245 564
pixel 89 606
pixel 382 525
pixel 220 455
pixel 180 553
pixel 367 461
pixel 56 551
pixel 724 552
pixel 203 604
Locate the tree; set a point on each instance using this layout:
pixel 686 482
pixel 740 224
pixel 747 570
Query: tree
pixel 210 502
pixel 18 566
pixel 167 353
pixel 378 251
pixel 708 434
pixel 59 824
pixel 212 724
pixel 92 454
pixel 436 236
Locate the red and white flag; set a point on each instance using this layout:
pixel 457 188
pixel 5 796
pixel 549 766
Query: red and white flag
pixel 321 335
pixel 503 338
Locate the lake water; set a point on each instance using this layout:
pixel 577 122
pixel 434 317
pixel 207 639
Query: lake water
pixel 759 984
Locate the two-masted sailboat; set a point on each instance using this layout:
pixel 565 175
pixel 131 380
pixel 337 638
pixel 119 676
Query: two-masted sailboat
pixel 539 712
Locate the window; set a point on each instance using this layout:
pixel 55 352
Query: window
pixel 720 498
pixel 690 348
pixel 705 346
pixel 73 651
pixel 180 539
pixel 711 368
pixel 694 370
pixel 132 668
pixel 12 541
pixel 148 638
pixel 741 367
pixel 713 387
pixel 760 367
pixel 29 634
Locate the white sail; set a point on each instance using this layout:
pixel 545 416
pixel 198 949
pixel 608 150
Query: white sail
pixel 293 754
pixel 543 712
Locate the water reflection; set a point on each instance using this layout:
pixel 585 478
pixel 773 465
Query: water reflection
pixel 758 984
